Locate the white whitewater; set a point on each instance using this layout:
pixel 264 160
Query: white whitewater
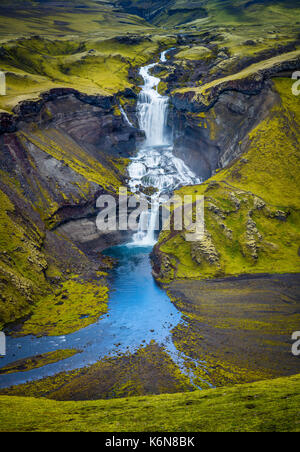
pixel 125 116
pixel 155 165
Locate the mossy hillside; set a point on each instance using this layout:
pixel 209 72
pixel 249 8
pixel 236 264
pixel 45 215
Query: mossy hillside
pixel 84 17
pixel 251 208
pixel 237 13
pixel 192 15
pixel 65 150
pixel 79 176
pixel 36 270
pixel 37 286
pixel 272 167
pixel 92 66
pixel 75 304
pixel 194 53
pixel 267 406
pixel 26 364
pixel 22 263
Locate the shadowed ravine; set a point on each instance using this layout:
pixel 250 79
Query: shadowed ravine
pixel 139 311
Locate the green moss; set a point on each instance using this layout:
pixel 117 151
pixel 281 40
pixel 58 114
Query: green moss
pixel 92 66
pixel 267 406
pixel 35 362
pixel 75 304
pixel 22 263
pixel 194 53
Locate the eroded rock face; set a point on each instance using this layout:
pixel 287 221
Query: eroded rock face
pixel 57 156
pixel 205 249
pixel 210 127
pixel 93 121
pixel 212 139
pixel 62 150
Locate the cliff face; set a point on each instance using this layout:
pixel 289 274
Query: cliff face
pixel 57 156
pixel 211 123
pixel 208 141
pixel 251 206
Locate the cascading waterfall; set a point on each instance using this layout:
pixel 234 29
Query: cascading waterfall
pixel 125 116
pixel 152 110
pixel 155 165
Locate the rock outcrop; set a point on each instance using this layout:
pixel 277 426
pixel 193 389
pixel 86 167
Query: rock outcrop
pixel 211 122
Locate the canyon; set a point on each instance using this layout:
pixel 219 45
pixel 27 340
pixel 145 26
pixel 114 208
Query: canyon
pixel 161 99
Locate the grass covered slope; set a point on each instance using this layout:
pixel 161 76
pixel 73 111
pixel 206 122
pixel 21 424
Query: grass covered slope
pixel 94 66
pixel 251 208
pixel 65 17
pixel 196 13
pixel 270 406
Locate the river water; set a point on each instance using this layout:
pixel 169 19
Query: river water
pixel 139 311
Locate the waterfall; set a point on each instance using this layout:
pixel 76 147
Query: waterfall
pixel 152 110
pixel 124 114
pixel 155 165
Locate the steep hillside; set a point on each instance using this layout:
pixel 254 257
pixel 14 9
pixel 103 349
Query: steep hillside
pixel 199 13
pixel 251 207
pixel 53 168
pixel 69 17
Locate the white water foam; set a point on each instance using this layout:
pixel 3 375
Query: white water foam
pixel 155 165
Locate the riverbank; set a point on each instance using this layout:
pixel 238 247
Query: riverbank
pixel 232 331
pixel 240 327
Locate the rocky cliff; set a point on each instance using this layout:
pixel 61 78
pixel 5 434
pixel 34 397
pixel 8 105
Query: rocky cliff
pixel 57 156
pixel 251 206
pixel 211 120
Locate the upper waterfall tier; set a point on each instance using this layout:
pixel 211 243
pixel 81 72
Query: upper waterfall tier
pixel 153 110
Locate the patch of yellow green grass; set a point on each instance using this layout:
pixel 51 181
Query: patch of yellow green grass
pixel 26 364
pixel 194 53
pixel 268 406
pixel 75 305
pixel 22 263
